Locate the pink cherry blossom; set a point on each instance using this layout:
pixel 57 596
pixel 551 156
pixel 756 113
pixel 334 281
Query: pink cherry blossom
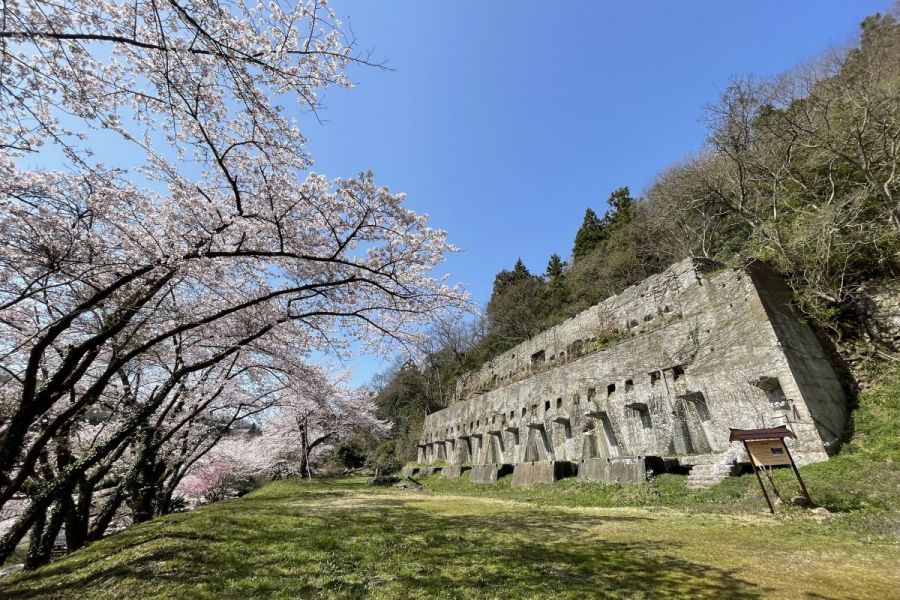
pixel 155 296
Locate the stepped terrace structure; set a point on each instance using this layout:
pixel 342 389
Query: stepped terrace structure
pixel 652 378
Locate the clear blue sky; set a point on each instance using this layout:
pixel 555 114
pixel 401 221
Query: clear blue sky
pixel 505 120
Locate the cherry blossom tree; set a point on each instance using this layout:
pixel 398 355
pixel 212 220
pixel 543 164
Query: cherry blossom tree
pixel 137 290
pixel 303 426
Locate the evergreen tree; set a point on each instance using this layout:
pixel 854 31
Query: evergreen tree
pixel 590 235
pixel 505 279
pixel 556 296
pixel 555 268
pixel 515 311
pixel 620 205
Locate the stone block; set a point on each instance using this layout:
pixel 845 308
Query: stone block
pixel 489 473
pixel 613 470
pixel 530 473
pixel 453 471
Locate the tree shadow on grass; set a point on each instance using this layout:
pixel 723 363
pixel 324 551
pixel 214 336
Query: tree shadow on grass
pixel 382 546
pixel 547 554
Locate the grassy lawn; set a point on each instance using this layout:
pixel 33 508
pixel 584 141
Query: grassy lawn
pixel 454 539
pixel 339 538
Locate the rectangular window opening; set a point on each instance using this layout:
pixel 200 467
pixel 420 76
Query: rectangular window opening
pixel 646 421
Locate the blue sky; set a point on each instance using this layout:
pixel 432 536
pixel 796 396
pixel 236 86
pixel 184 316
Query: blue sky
pixel 505 120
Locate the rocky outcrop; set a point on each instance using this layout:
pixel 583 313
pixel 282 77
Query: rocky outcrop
pixel 878 304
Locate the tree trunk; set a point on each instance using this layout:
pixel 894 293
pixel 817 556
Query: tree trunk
pixel 32 558
pixel 304 451
pixel 107 513
pixel 43 538
pixel 78 518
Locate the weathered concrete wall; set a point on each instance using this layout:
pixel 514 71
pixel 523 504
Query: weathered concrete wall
pixel 613 470
pixel 816 382
pixel 413 471
pixel 647 304
pixel 489 473
pixel 453 471
pixel 663 369
pixel 530 473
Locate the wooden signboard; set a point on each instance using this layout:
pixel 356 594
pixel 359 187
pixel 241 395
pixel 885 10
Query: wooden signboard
pixel 768 453
pixel 767 449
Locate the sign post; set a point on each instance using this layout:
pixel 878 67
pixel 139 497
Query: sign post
pixel 766 449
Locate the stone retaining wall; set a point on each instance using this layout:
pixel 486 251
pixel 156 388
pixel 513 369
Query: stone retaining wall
pixel 663 369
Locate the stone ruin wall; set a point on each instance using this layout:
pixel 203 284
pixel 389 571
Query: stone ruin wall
pixel 663 369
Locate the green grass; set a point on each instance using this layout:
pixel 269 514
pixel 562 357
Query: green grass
pixel 454 539
pixel 341 539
